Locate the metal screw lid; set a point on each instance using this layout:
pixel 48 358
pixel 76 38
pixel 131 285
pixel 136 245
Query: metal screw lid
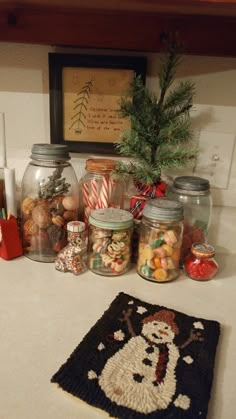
pixel 163 209
pixel 100 165
pixel 191 185
pixel 44 151
pixel 111 218
pixel 203 250
pixel 75 226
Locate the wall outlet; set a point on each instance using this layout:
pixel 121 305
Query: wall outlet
pixel 215 157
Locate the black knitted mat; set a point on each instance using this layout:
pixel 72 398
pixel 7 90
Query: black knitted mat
pixel 144 361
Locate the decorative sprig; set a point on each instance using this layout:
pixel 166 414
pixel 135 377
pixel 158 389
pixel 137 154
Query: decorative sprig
pixel 160 135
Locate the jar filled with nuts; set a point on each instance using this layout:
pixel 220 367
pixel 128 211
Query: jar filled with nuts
pixel 49 200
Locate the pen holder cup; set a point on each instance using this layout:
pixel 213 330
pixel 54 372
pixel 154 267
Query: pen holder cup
pixel 10 243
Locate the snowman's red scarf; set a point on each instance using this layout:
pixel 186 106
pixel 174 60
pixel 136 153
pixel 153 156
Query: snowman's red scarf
pixel 162 359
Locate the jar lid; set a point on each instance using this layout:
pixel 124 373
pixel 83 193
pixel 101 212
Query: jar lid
pixel 111 218
pixel 43 151
pixel 100 165
pixel 190 185
pixel 163 209
pixel 202 250
pixel 75 226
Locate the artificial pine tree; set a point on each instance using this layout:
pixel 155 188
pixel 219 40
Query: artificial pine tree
pixel 160 136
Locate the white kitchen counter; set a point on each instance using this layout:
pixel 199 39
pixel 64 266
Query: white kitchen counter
pixel 44 314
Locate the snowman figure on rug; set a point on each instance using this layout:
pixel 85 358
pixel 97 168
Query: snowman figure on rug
pixel 141 375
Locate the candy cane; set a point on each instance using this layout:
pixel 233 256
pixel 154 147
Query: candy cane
pixel 94 187
pixel 87 211
pixel 86 196
pixel 103 199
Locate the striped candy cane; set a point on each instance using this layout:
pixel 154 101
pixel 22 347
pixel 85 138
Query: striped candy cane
pixel 94 187
pixel 88 201
pixel 103 199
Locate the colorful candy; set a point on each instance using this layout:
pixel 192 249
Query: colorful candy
pixel 159 259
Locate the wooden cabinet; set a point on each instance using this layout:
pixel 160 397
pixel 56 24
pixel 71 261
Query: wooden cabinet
pixel 206 27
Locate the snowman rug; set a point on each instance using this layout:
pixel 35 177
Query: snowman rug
pixel 144 361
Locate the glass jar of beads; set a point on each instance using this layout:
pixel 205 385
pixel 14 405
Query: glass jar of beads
pixel 49 199
pixel 201 265
pixel 100 187
pixel 194 193
pixel 160 240
pixel 110 231
pixel 73 257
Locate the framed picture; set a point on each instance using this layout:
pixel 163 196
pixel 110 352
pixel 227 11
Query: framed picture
pixel 85 94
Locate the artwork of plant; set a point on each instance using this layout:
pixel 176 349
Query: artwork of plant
pixel 80 106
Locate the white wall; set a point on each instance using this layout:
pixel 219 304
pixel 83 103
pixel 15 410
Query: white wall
pixel 24 98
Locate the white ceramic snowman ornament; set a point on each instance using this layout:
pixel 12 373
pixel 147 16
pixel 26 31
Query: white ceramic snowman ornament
pixel 141 375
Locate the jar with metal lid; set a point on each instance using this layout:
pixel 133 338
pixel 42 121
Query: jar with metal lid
pixel 201 265
pixel 73 257
pixel 194 193
pixel 99 187
pixel 160 240
pixel 110 231
pixel 49 199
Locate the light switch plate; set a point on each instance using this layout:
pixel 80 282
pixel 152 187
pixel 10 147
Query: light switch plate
pixel 215 157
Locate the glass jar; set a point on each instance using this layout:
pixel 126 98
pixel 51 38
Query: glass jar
pixel 49 199
pixel 201 265
pixel 110 232
pixel 73 257
pixel 160 240
pixel 194 193
pixel 99 187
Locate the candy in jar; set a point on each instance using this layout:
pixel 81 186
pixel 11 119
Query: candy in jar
pixel 110 232
pixel 160 240
pixel 73 258
pixel 201 265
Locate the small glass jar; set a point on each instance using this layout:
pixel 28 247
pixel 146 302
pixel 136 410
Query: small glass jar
pixel 73 258
pixel 49 199
pixel 194 193
pixel 160 240
pixel 110 232
pixel 201 265
pixel 99 187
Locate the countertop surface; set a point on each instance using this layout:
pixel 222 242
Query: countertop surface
pixel 44 314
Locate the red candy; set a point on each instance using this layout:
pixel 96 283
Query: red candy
pixel 200 269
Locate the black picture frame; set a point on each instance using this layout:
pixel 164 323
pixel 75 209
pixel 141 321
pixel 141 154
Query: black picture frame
pixel 60 64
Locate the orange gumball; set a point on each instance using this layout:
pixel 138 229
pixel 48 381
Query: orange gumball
pixel 157 262
pixel 160 274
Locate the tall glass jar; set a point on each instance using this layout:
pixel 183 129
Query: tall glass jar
pixel 99 187
pixel 194 193
pixel 160 240
pixel 49 199
pixel 110 232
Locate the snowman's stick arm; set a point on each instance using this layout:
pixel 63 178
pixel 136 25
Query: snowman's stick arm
pixel 126 318
pixel 194 336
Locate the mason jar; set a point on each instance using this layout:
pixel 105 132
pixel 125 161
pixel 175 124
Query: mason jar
pixel 194 193
pixel 160 240
pixel 49 199
pixel 99 187
pixel 201 264
pixel 110 232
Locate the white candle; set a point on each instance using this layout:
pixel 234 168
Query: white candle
pixel 10 191
pixel 3 154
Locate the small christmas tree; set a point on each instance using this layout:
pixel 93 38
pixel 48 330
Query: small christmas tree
pixel 160 136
